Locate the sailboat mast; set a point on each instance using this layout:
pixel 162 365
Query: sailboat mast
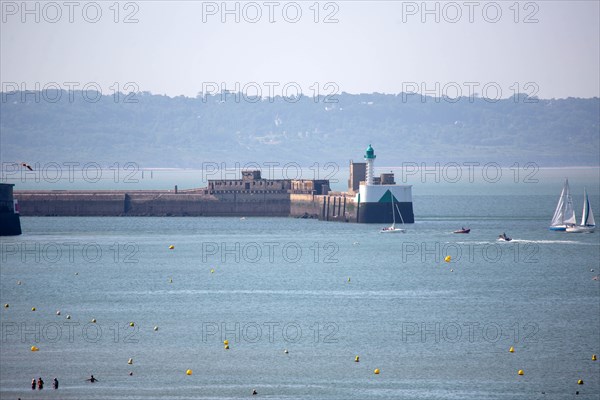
pixel 393 211
pixel 569 213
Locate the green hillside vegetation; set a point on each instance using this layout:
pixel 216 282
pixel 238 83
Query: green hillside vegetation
pixel 160 131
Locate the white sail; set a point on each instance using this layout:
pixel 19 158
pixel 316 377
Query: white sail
pixel 590 218
pixel 569 217
pixel 557 219
pixel 587 218
pixel 564 213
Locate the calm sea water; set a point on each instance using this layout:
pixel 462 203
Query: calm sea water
pixel 326 292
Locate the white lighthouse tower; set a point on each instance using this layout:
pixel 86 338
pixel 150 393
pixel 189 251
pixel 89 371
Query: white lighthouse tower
pixel 370 159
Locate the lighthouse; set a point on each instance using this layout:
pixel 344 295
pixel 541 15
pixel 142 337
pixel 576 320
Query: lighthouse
pixel 370 159
pixel 379 199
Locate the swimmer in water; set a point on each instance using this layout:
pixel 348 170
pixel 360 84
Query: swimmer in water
pixel 40 383
pixel 55 383
pixel 92 379
pixel 33 384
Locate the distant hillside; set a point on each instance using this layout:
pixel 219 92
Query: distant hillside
pixel 159 131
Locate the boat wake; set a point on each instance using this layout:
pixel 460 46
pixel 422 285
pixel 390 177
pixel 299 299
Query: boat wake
pixel 528 241
pixel 555 242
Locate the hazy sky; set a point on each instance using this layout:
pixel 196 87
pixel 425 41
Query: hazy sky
pixel 548 48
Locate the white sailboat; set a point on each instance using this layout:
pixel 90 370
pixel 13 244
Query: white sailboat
pixel 564 215
pixel 393 229
pixel 587 218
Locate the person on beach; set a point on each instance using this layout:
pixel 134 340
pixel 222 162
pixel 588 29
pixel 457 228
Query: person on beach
pixel 33 384
pixel 92 379
pixel 55 383
pixel 40 383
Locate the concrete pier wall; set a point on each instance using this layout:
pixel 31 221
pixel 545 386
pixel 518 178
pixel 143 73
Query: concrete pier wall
pixel 305 205
pixel 70 204
pixel 327 208
pixel 151 203
pixel 334 207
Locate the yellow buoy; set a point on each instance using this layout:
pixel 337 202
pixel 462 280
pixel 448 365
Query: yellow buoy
pixel 580 382
pixel 33 348
pixel 170 280
pixel 348 280
pixel 593 355
pixel 32 308
pixel 93 320
pixel 130 361
pixel 520 372
pixel 356 359
pixel 376 371
pixel 6 305
pixel 511 350
pixel 171 247
pixel 188 372
pixel 226 342
pixel 212 271
pixel 226 347
pixel 447 258
pixel 131 324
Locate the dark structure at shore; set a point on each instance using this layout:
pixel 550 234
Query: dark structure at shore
pixel 10 224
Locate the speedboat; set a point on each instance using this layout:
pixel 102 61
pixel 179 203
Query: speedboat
pixel 463 230
pixel 504 238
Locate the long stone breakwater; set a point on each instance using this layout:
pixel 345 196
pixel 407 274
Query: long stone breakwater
pixel 184 203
